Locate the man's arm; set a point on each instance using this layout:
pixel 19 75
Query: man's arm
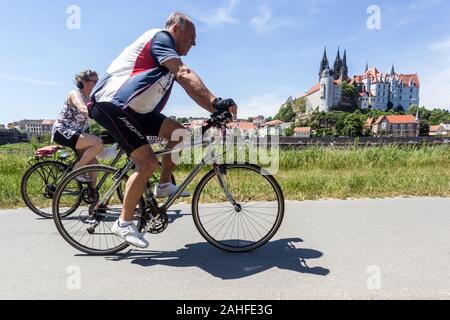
pixel 192 84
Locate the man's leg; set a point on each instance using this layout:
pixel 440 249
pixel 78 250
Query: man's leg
pixel 174 133
pixel 146 164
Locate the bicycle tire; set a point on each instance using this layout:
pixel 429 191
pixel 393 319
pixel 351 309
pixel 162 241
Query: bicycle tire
pixel 61 167
pixel 221 245
pixel 58 219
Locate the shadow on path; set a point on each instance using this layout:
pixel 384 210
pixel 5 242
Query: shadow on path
pixel 282 254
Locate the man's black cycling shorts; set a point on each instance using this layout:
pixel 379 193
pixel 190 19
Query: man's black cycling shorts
pixel 129 128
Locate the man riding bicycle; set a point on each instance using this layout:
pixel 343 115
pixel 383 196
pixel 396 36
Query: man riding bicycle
pixel 128 102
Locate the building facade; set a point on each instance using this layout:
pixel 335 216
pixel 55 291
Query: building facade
pixel 375 90
pixel 396 126
pixel 36 128
pixel 382 91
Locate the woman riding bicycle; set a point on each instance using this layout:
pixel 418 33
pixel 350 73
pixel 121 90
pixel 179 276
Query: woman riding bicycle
pixel 70 128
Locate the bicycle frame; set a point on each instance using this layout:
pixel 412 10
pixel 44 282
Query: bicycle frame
pixel 209 157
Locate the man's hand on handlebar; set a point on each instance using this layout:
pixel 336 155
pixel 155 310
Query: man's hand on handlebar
pixel 225 105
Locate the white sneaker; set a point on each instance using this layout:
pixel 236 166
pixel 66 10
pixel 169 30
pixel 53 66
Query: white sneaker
pixel 84 179
pixel 130 234
pixel 169 191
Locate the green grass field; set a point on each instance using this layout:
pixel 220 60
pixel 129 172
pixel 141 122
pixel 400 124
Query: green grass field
pixel 311 174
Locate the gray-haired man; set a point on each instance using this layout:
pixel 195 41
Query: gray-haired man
pixel 128 101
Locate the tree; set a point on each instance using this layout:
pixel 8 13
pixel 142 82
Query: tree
pixel 348 91
pixel 439 116
pixel 353 125
pixel 399 109
pixel 424 128
pixel 289 132
pixel 286 114
pixel 300 105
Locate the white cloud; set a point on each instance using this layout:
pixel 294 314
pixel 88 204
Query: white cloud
pixel 265 22
pixel 441 47
pixel 222 15
pixel 29 80
pixel 422 5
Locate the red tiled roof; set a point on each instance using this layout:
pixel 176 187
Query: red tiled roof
pixel 434 128
pixel 398 119
pixel 48 122
pixel 406 79
pixel 274 123
pixel 302 129
pixel 312 90
pixel 243 125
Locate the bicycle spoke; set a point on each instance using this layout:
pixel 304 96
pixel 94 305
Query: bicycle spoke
pixel 256 217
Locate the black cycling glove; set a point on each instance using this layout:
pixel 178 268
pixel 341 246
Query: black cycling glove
pixel 223 104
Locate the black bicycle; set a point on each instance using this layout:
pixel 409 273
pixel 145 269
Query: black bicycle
pixel 236 207
pixel 47 169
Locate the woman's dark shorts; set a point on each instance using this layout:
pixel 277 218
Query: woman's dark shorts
pixel 63 141
pixel 130 129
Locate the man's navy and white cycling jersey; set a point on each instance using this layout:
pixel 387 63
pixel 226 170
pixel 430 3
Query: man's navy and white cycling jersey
pixel 137 79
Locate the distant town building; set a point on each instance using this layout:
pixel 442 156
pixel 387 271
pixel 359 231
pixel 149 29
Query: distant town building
pixel 375 90
pixel 273 128
pixel 383 90
pixel 33 127
pixel 440 130
pixel 244 128
pixel 302 132
pixel 395 126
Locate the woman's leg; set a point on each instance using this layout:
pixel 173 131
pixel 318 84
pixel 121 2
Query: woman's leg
pixel 89 146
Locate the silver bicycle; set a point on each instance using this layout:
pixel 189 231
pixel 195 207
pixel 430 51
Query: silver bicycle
pixel 236 207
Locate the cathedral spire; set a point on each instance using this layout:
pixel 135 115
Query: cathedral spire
pixel 344 69
pixel 392 70
pixel 324 64
pixel 367 67
pixel 337 65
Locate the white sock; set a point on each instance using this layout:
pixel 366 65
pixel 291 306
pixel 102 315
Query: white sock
pixel 124 224
pixel 164 185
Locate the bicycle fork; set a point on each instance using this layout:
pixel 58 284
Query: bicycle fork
pixel 223 184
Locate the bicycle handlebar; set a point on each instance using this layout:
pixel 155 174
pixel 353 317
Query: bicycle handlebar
pixel 218 120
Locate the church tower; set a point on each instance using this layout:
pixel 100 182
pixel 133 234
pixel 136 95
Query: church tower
pixel 337 66
pixel 344 68
pixel 324 64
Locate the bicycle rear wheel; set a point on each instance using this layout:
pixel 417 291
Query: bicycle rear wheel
pixel 38 187
pixel 249 224
pixel 87 229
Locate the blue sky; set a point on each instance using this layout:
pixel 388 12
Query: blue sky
pixel 258 52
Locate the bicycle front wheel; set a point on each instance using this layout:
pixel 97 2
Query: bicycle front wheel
pixel 251 221
pixel 89 229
